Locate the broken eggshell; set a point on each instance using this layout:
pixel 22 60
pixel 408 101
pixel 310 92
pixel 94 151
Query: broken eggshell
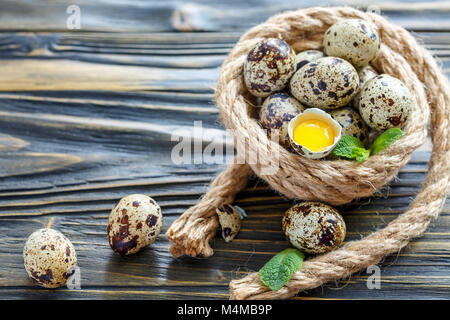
pixel 230 220
pixel 318 114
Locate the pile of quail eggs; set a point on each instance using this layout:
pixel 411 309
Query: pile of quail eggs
pixel 339 81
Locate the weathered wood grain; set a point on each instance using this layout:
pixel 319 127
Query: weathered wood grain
pixel 199 15
pixel 8 143
pixel 93 62
pixel 87 117
pixel 154 272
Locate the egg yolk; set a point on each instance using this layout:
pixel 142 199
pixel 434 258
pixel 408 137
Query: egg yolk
pixel 316 135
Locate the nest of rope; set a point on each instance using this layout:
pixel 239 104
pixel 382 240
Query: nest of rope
pixel 329 180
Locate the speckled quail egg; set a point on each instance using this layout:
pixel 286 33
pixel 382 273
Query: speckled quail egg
pixel 230 220
pixel 365 74
pixel 134 223
pixel 352 124
pixel 307 56
pixel 49 258
pixel 327 83
pixel 385 102
pixel 314 227
pixel 276 112
pixel 354 40
pixel 268 67
pixel 314 133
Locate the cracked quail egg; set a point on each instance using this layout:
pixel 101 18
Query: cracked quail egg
pixel 385 103
pixel 49 258
pixel 314 133
pixel 354 40
pixel 314 227
pixel 327 83
pixel 365 74
pixel 134 223
pixel 268 67
pixel 307 56
pixel 276 112
pixel 230 220
pixel 352 124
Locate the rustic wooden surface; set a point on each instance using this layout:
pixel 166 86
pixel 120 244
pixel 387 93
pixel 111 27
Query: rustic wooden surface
pixel 86 117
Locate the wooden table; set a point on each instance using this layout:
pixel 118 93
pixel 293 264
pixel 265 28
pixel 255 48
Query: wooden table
pixel 86 117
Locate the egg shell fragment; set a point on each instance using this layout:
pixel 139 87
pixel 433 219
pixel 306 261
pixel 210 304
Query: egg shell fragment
pixel 385 103
pixel 327 83
pixel 268 67
pixel 314 227
pixel 276 112
pixel 308 114
pixel 352 124
pixel 354 40
pixel 230 221
pixel 134 223
pixel 304 57
pixel 49 258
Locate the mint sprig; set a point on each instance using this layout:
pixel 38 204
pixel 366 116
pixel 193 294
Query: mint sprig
pixel 352 148
pixel 385 139
pixel 278 270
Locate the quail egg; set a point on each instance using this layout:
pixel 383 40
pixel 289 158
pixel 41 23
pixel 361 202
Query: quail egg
pixel 313 134
pixel 327 83
pixel 385 103
pixel 352 124
pixel 307 56
pixel 276 112
pixel 230 220
pixel 134 223
pixel 268 67
pixel 365 74
pixel 354 40
pixel 49 258
pixel 314 227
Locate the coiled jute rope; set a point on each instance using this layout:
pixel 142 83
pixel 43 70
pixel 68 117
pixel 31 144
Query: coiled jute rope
pixel 334 182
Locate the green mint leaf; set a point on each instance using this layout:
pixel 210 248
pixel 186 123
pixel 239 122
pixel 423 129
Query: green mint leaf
pixel 351 148
pixel 361 154
pixel 278 270
pixel 385 139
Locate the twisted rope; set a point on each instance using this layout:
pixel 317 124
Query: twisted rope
pixel 191 232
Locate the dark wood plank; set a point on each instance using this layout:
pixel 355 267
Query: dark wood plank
pixel 87 118
pixel 199 15
pixel 152 273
